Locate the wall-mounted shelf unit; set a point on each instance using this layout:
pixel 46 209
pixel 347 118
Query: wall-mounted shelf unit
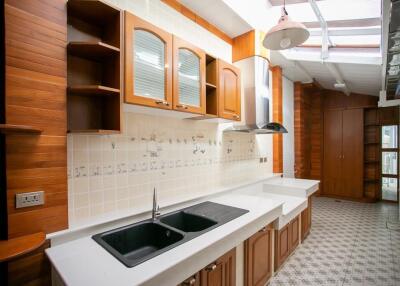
pixel 19 129
pixel 372 155
pixel 94 67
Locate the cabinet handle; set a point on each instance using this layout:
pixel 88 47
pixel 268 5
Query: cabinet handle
pixel 191 281
pixel 211 267
pixel 182 106
pixel 264 229
pixel 162 102
pixel 236 116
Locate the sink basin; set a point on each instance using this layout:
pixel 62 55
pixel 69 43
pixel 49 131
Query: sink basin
pixel 136 243
pixel 187 222
pixel 139 242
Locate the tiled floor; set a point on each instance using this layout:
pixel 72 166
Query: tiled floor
pixel 349 244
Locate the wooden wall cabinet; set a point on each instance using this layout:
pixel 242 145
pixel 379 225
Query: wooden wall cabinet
pixel 306 220
pixel 343 152
pixel 258 258
pixel 229 94
pixel 189 83
pixel 148 64
pixel 286 241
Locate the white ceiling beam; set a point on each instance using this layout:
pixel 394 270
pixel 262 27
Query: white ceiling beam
pixel 345 58
pixel 337 75
pixel 325 41
pixel 349 32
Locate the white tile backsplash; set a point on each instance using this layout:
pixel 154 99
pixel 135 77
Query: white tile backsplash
pixel 181 158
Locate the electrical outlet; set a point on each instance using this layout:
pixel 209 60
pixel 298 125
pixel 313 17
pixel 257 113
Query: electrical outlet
pixel 261 160
pixel 24 200
pixel 265 159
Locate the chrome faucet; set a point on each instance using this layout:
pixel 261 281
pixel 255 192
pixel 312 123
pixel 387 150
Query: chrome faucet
pixel 155 211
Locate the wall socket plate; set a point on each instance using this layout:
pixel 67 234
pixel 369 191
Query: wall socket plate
pixel 24 200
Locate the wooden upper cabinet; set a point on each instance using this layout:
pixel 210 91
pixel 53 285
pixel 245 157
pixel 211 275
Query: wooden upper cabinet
pixel 189 84
pixel 258 258
pixel 148 64
pixel 229 91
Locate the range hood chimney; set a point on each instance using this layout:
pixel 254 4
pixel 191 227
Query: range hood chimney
pixel 255 80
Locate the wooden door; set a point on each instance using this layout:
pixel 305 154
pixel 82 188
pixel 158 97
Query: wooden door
pixel 282 246
pixel 353 153
pixel 189 83
pixel 148 64
pixel 306 220
pixel 222 272
pixel 193 280
pixel 332 164
pixel 294 235
pixel 258 258
pixel 229 91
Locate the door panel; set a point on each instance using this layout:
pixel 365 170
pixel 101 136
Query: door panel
pixel 353 153
pixel 229 91
pixel 258 258
pixel 282 246
pixel 332 163
pixel 189 78
pixel 222 272
pixel 148 64
pixel 294 234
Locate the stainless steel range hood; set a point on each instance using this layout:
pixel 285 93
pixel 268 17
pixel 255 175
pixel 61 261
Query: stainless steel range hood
pixel 255 80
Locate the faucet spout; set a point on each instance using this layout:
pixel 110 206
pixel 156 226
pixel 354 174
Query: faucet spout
pixel 155 211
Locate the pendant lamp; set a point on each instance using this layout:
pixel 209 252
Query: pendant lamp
pixel 287 34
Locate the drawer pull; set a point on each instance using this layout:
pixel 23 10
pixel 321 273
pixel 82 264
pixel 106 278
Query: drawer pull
pixel 162 102
pixel 211 267
pixel 236 116
pixel 264 229
pixel 182 106
pixel 191 281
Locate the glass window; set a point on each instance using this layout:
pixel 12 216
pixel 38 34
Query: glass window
pixel 389 136
pixel 189 78
pixel 389 163
pixel 389 189
pixel 149 65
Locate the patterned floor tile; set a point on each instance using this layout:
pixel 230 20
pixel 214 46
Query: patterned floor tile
pixel 349 245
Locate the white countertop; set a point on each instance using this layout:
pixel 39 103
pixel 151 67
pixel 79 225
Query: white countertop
pixel 291 186
pixel 79 260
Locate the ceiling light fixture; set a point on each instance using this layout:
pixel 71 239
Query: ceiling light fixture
pixel 287 34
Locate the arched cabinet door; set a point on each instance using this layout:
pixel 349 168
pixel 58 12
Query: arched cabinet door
pixel 189 92
pixel 229 91
pixel 148 64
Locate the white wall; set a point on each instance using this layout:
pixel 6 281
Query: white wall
pixel 288 122
pixel 182 158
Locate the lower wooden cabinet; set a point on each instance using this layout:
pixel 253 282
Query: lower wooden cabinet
pixel 258 258
pixel 286 241
pixel 221 272
pixel 306 221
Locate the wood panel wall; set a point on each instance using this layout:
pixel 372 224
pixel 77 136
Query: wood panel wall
pixel 277 116
pixel 35 95
pixel 36 71
pixel 310 102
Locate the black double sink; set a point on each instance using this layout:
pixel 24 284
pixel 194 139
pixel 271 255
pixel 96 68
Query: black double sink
pixel 136 243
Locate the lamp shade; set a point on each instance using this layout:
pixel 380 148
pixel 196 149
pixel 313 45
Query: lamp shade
pixel 287 34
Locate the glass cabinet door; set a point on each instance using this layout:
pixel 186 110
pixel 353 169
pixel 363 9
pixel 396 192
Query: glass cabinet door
pixel 189 77
pixel 148 60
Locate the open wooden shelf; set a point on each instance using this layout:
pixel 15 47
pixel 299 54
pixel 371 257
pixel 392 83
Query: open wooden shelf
pixel 367 180
pixel 96 131
pixel 95 50
pixel 19 129
pixel 93 90
pixel 16 247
